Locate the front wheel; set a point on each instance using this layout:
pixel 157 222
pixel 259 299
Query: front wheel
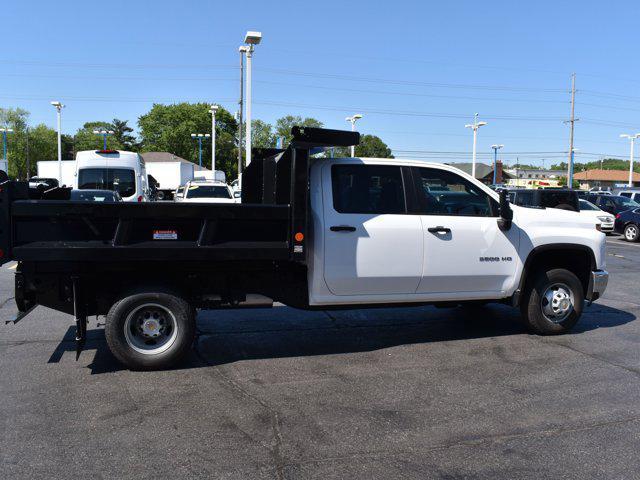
pixel 150 330
pixel 553 303
pixel 631 232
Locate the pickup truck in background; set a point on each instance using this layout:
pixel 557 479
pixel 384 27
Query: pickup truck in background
pixel 312 233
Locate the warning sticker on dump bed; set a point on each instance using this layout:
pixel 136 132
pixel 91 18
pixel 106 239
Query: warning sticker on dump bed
pixel 165 234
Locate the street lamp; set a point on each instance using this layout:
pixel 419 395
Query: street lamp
pixel 5 131
pixel 251 39
pixel 353 119
pixel 632 139
pixel 495 160
pixel 59 106
pixel 475 126
pixel 104 134
pixel 199 137
pixel 212 111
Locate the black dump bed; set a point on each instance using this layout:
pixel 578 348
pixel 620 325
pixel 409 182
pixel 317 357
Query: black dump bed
pixel 269 224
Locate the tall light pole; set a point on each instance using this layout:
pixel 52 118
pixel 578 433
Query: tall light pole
pixel 242 49
pixel 475 126
pixel 5 131
pixel 495 160
pixel 212 111
pixel 632 139
pixel 353 119
pixel 59 106
pixel 105 134
pixel 251 39
pixel 199 137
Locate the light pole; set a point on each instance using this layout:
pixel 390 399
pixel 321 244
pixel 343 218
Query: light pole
pixel 353 119
pixel 495 160
pixel 59 106
pixel 475 126
pixel 212 111
pixel 199 137
pixel 5 131
pixel 251 39
pixel 242 49
pixel 632 139
pixel 104 134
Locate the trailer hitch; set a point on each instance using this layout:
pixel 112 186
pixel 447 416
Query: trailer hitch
pixel 79 312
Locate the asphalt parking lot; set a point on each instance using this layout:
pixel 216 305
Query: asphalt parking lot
pixel 402 393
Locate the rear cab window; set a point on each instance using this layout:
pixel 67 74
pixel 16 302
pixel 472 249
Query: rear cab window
pixel 377 189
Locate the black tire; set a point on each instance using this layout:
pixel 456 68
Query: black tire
pixel 631 232
pixel 128 334
pixel 533 312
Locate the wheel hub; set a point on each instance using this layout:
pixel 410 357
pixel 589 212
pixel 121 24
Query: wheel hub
pixel 557 303
pixel 151 328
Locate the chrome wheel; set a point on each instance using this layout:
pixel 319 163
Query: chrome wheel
pixel 150 329
pixel 631 233
pixel 557 302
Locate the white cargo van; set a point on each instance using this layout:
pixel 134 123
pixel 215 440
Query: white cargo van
pixel 120 171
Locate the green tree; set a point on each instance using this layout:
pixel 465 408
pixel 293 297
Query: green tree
pixel 284 125
pixel 169 128
pixel 122 134
pixel 16 120
pixel 262 135
pixel 372 146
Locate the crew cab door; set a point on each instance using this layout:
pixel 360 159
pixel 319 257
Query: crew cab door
pixel 464 250
pixel 371 245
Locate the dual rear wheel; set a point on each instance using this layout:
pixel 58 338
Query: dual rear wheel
pixel 150 330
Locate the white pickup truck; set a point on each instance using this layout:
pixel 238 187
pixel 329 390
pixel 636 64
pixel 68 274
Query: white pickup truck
pixel 313 233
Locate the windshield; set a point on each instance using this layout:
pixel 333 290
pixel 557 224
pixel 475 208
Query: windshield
pixel 627 202
pixel 121 180
pixel 584 205
pixel 208 191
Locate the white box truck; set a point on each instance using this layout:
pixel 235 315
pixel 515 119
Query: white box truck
pixel 50 169
pixel 170 175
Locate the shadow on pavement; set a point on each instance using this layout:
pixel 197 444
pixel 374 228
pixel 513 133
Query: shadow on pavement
pixel 284 332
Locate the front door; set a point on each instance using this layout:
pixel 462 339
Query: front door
pixel 371 245
pixel 465 251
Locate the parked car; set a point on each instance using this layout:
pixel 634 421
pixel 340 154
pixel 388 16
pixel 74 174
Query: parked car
pixel 563 199
pixel 630 193
pixel 107 196
pixel 612 204
pixel 628 224
pixel 601 191
pixel 589 210
pixel 199 191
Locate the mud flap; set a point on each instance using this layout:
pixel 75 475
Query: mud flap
pixel 79 312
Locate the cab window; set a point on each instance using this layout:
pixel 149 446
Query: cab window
pixel 376 189
pixel 441 192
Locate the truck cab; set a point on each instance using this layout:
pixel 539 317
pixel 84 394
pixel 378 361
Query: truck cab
pixel 392 230
pixel 115 170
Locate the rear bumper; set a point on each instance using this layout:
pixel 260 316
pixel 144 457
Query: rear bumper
pixel 597 284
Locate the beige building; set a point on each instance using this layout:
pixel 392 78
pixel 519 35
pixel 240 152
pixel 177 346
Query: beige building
pixel 605 178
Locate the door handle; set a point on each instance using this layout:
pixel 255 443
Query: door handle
pixel 342 228
pixel 439 229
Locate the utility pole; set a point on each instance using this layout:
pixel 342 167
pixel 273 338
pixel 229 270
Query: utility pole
pixel 572 122
pixel 212 111
pixel 27 154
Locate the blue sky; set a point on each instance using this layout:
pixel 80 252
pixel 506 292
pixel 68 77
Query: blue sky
pixel 417 70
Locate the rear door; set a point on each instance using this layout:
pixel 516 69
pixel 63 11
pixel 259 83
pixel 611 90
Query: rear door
pixel 464 250
pixel 371 245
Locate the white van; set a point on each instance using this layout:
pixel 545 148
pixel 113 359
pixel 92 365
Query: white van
pixel 120 171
